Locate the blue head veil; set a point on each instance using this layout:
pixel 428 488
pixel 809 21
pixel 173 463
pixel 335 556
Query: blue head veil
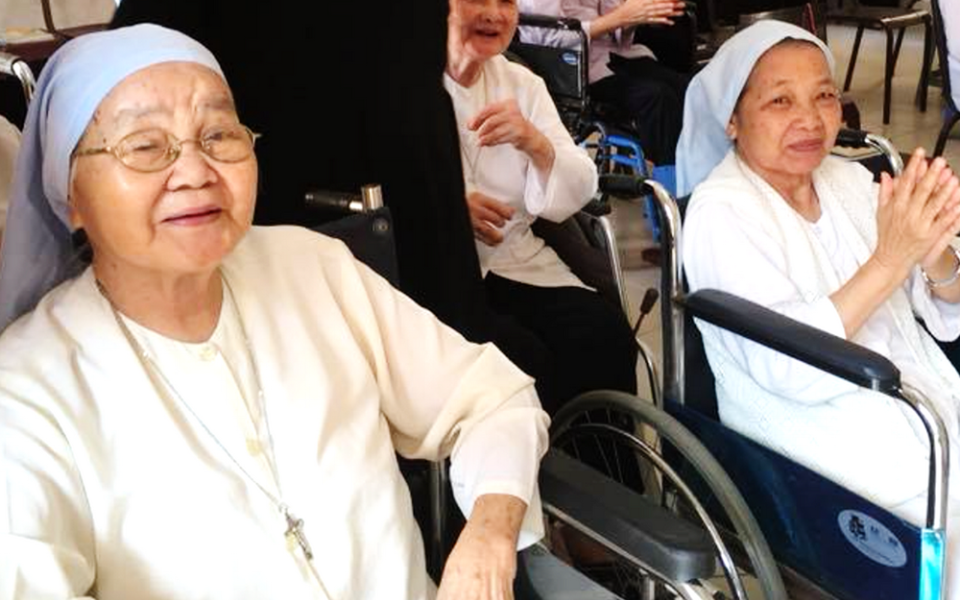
pixel 37 252
pixel 713 93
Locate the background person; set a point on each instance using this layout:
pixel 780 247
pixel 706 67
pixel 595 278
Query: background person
pixel 210 410
pixel 777 220
pixel 623 73
pixel 520 164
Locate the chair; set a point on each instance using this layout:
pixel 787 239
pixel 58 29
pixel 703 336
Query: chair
pixel 952 113
pixel 821 533
pixel 888 20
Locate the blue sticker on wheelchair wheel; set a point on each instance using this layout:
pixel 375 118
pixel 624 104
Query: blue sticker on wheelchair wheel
pixel 871 538
pixel 571 58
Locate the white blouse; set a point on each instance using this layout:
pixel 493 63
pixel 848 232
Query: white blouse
pixel 117 483
pixel 508 175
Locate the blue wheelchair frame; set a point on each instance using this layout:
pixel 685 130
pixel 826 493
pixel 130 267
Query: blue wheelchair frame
pixel 803 514
pixel 565 73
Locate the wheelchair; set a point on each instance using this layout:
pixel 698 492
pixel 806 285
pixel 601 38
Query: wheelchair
pixel 829 542
pixel 562 60
pixel 655 547
pixel 12 66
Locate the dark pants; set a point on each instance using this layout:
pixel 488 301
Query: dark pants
pixel 578 341
pixel 650 96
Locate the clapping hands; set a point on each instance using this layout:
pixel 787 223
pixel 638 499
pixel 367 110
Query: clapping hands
pixel 918 214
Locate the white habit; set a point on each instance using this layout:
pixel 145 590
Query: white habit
pixel 508 175
pixel 111 488
pixel 740 236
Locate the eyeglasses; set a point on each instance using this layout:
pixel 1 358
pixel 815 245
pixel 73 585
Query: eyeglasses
pixel 152 150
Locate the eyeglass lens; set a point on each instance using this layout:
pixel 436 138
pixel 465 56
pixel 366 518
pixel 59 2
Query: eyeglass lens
pixel 155 149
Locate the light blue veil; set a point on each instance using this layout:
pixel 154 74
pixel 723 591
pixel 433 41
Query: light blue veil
pixel 713 94
pixel 38 253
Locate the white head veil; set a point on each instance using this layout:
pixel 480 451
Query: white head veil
pixel 37 252
pixel 713 94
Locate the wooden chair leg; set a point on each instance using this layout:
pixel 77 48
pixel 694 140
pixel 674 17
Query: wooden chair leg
pixel 948 124
pixel 924 83
pixel 853 58
pixel 888 77
pixel 896 49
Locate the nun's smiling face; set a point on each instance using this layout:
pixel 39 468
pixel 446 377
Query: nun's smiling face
pixel 184 218
pixel 788 115
pixel 483 28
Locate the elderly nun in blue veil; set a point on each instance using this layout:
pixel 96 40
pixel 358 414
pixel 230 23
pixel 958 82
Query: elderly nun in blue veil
pixel 204 409
pixel 778 220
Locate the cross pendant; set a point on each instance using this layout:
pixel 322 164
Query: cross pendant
pixel 295 532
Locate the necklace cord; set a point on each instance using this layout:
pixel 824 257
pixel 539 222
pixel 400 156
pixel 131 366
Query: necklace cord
pixel 294 524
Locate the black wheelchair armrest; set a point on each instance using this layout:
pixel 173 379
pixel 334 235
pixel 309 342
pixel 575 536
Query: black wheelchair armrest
pixel 818 348
pixel 549 22
pixel 623 520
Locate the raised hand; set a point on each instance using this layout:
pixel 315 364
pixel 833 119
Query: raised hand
pixel 488 216
pixel 918 214
pixel 648 12
pixel 503 123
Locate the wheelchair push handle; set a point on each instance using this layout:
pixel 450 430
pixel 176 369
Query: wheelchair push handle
pixel 370 198
pixel 852 138
pixel 13 65
pixel 623 186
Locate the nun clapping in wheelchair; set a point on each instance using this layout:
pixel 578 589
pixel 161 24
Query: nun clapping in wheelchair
pixel 520 164
pixel 776 219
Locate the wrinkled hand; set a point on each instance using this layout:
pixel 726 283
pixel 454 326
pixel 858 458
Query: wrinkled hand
pixel 483 563
pixel 648 12
pixel 918 214
pixel 503 123
pixel 488 216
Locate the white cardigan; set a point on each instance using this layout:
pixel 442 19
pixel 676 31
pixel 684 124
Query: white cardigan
pixel 110 488
pixel 740 236
pixel 508 175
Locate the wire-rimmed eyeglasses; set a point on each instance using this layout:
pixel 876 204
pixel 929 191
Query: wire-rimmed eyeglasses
pixel 155 149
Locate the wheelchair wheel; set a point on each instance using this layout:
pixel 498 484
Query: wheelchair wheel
pixel 602 429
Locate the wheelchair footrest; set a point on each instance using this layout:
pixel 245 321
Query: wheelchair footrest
pixel 621 519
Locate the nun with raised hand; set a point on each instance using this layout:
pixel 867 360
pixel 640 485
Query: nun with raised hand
pixel 776 219
pixel 191 407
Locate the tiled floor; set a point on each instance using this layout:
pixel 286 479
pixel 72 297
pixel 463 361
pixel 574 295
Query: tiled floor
pixel 908 129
